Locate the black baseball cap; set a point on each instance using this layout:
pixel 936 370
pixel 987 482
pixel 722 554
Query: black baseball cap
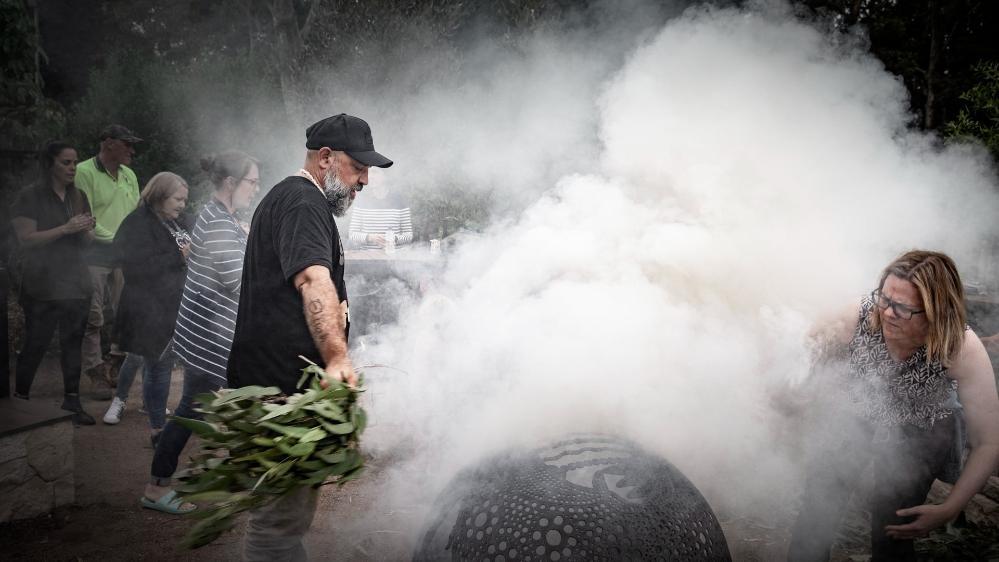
pixel 119 132
pixel 348 134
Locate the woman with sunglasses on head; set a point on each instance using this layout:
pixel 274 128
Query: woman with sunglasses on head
pixel 152 245
pixel 906 348
pixel 54 226
pixel 204 329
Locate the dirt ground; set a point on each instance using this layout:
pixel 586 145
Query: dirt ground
pixel 107 523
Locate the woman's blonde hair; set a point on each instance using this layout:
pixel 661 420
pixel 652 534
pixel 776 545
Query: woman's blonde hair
pixel 160 187
pixel 935 276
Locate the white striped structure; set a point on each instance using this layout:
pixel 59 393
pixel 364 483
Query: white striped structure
pixel 377 221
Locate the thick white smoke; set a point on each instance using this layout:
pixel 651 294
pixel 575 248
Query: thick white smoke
pixel 751 173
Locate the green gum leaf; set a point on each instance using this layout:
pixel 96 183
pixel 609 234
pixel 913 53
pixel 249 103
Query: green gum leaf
pixel 199 427
pixel 245 392
pixel 290 431
pixel 314 434
pixel 340 428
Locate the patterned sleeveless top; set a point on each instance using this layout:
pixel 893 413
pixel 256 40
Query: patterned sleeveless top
pixel 891 393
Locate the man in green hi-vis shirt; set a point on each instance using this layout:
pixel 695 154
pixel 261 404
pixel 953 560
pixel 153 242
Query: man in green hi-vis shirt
pixel 113 192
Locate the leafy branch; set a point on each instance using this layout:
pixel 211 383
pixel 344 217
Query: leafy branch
pixel 258 445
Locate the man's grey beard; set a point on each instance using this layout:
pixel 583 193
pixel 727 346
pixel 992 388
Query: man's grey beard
pixel 338 193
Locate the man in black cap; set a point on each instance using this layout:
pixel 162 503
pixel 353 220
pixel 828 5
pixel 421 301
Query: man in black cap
pixel 113 191
pixel 293 300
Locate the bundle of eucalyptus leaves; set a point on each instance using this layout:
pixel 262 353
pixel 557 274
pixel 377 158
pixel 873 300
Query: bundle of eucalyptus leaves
pixel 258 445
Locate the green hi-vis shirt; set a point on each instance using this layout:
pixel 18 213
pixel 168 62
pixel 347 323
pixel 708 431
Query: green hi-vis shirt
pixel 111 201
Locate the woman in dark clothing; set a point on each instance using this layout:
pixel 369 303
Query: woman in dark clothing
pixel 53 224
pixel 152 246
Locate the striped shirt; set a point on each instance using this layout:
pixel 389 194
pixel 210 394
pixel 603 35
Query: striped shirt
pixel 207 316
pixel 378 221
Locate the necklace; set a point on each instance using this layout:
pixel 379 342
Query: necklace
pixel 180 236
pixel 305 174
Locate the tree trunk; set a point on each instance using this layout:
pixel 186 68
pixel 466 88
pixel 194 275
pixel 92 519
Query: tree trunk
pixel 929 113
pixel 37 78
pixel 853 15
pixel 289 47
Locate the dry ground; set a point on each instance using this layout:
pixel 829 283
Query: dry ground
pixel 107 523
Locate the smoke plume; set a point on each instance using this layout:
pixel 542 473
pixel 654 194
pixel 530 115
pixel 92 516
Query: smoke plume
pixel 682 205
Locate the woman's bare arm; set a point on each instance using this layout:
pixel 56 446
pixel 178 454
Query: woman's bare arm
pixel 977 392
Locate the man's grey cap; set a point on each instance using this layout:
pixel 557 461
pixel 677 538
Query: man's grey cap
pixel 119 132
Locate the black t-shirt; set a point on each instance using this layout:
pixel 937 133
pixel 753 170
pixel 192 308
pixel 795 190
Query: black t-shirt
pixel 292 229
pixel 57 270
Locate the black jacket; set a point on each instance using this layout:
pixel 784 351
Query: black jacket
pixel 154 271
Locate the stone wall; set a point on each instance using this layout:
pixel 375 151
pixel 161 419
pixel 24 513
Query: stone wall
pixel 36 471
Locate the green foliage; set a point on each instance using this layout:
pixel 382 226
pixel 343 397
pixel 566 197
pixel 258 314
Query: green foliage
pixel 183 110
pixel 901 35
pixel 126 90
pixel 26 115
pixel 439 213
pixel 18 44
pixel 258 445
pixel 979 119
pixel 197 78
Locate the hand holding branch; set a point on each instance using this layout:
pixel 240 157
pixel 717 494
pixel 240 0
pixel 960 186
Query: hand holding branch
pixel 341 370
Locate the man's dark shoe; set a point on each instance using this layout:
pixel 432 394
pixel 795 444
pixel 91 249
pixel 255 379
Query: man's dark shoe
pixel 71 403
pixel 83 418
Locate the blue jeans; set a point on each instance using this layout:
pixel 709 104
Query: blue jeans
pixel 171 442
pixel 156 374
pixel 126 374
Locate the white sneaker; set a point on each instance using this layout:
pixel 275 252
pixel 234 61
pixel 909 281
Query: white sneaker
pixel 115 411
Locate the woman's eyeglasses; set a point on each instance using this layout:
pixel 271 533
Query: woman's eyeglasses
pixel 902 311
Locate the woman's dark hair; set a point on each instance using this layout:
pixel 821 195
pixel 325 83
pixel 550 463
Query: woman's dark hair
pixel 46 160
pixel 47 157
pixel 231 163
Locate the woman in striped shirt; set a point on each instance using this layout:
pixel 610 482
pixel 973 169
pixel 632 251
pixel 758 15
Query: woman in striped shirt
pixel 382 214
pixel 203 334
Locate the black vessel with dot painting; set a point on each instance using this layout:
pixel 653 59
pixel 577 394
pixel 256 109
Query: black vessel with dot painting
pixel 583 498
